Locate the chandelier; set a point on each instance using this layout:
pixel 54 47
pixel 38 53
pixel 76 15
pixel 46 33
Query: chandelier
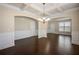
pixel 44 18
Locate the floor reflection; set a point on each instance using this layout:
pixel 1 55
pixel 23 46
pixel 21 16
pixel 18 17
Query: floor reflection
pixel 47 47
pixel 54 44
pixel 64 44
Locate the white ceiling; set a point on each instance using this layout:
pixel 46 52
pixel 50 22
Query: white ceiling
pixel 50 8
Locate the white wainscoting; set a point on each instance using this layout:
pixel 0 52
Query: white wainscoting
pixel 75 38
pixel 6 40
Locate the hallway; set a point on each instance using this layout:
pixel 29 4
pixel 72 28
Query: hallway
pixel 53 45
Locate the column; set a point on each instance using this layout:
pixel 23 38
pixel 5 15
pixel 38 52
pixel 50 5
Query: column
pixel 42 29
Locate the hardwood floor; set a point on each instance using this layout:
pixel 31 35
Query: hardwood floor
pixel 53 45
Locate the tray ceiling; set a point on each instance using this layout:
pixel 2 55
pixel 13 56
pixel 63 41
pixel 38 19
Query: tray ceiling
pixel 50 8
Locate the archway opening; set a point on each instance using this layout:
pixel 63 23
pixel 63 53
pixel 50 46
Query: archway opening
pixel 25 27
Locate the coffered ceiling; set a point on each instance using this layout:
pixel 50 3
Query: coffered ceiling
pixel 50 8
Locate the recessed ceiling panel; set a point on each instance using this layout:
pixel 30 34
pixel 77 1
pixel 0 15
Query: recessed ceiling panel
pixel 50 8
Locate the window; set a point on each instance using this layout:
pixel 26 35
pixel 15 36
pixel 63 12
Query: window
pixel 64 26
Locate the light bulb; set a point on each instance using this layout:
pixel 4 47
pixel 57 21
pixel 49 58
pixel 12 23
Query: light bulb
pixel 40 19
pixel 47 19
pixel 44 18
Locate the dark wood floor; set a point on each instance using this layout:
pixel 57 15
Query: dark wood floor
pixel 53 45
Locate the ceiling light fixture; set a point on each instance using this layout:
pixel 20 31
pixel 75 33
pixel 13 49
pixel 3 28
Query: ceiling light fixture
pixel 44 18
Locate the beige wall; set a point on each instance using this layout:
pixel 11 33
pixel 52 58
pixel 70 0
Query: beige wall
pixel 22 24
pixel 6 20
pixel 74 14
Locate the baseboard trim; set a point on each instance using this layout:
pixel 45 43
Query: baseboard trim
pixel 8 47
pixel 26 38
